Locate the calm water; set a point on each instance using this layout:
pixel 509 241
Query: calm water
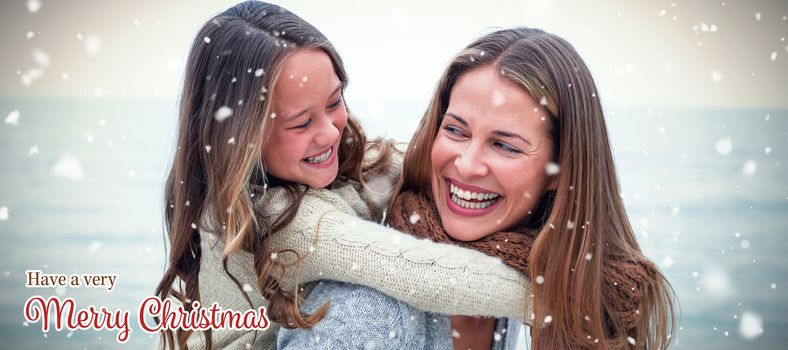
pixel 89 202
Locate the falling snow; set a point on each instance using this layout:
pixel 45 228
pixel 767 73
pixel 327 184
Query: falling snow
pixel 716 283
pixel 222 113
pixel 41 57
pixel 3 213
pixel 724 146
pixel 749 167
pixel 414 218
pixel 716 76
pixel 13 118
pixel 33 6
pixel 69 167
pixel 750 325
pixel 94 246
pixel 551 169
pixel 668 261
pixel 92 44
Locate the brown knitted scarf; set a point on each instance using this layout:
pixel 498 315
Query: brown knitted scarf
pixel 624 279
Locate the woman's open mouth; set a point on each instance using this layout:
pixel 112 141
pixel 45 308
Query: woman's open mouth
pixel 470 202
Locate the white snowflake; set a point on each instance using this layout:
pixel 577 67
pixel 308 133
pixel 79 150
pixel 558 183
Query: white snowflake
pixel 773 56
pixel 222 113
pixel 668 261
pixel 247 287
pixel 30 76
pixel 539 279
pixel 259 72
pixel 92 44
pixel 33 5
pixel 41 57
pixel 3 213
pixel 724 146
pixel 414 218
pixel 750 325
pixel 551 169
pixel 13 118
pixel 207 40
pixel 94 246
pixel 717 283
pixel 69 167
pixel 716 76
pixel 749 167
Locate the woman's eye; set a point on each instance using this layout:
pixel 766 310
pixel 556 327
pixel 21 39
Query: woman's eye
pixel 452 130
pixel 304 125
pixel 507 148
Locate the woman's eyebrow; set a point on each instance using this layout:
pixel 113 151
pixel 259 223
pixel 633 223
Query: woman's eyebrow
pixel 511 134
pixel 496 132
pixel 460 120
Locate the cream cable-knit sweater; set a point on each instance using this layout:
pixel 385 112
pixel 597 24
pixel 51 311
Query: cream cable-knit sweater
pixel 429 276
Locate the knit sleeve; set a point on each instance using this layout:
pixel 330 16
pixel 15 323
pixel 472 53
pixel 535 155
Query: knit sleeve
pixel 443 278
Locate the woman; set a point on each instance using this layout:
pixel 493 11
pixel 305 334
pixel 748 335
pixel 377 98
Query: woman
pixel 265 190
pixel 512 159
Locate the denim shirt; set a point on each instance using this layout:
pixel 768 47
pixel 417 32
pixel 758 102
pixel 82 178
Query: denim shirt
pixel 360 317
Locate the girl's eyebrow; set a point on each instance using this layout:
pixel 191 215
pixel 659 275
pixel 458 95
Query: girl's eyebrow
pixel 294 116
pixel 496 132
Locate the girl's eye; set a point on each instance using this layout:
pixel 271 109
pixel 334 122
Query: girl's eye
pixel 335 104
pixel 507 148
pixel 304 125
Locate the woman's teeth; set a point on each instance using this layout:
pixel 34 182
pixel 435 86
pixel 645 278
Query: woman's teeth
pixel 472 200
pixel 319 158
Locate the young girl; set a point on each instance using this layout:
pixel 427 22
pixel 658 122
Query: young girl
pixel 266 189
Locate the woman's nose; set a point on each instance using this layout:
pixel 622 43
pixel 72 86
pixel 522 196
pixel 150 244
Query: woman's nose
pixel 470 162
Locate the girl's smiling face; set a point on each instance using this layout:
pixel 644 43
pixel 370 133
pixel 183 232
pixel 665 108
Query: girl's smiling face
pixel 489 156
pixel 308 120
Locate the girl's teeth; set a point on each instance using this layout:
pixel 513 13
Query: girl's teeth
pixel 321 158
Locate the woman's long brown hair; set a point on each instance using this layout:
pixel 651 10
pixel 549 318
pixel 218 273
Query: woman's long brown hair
pixel 217 169
pixel 584 215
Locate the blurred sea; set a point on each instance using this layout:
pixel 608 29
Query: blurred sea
pixel 705 190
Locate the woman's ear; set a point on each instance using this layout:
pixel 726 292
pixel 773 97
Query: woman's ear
pixel 553 183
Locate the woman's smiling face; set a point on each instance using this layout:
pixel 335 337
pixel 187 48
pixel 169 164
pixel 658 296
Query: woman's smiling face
pixel 309 119
pixel 489 156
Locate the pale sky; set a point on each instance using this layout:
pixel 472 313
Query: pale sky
pixel 642 53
